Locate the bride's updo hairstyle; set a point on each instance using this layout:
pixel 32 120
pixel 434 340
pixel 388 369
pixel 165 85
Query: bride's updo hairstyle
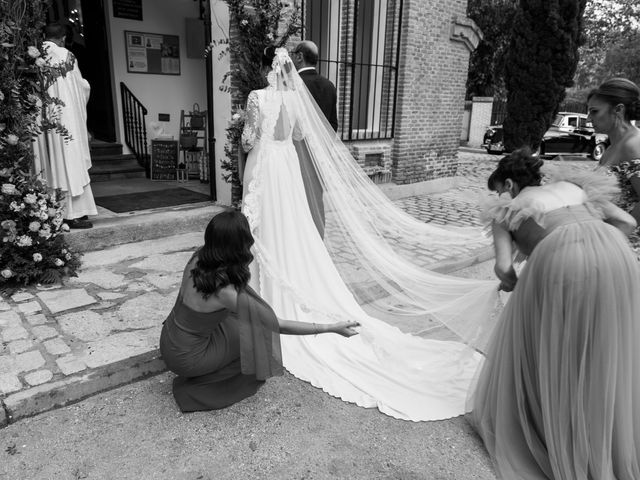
pixel 225 257
pixel 617 91
pixel 521 167
pixel 267 56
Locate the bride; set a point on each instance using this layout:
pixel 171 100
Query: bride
pixel 398 371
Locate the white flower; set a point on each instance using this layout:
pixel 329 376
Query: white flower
pixel 33 52
pixel 30 198
pixel 37 257
pixel 67 256
pixel 40 62
pixel 9 189
pixel 24 241
pixel 6 273
pixel 8 224
pixel 34 226
pixel 244 22
pixel 14 206
pixel 58 262
pixel 44 207
pixel 12 139
pixel 43 216
pixel 235 117
pixel 270 36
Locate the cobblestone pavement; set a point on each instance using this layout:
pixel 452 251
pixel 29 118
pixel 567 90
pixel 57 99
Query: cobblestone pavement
pixel 54 339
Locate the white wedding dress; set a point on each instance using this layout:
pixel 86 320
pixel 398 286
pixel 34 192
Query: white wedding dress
pixel 403 375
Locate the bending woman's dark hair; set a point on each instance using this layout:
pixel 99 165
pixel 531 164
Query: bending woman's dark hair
pixel 617 91
pixel 226 254
pixel 521 167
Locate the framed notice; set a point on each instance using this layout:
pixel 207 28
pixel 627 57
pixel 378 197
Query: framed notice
pixel 152 53
pixel 164 159
pixel 131 9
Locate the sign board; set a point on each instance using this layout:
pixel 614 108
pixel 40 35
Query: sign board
pixel 164 159
pixel 131 9
pixel 152 53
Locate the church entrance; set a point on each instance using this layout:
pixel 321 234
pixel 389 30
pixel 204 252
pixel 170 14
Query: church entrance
pixel 87 39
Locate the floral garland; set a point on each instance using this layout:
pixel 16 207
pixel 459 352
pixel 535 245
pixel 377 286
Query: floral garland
pixel 258 23
pixel 32 248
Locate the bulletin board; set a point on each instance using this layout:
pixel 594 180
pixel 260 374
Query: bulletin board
pixel 152 53
pixel 164 159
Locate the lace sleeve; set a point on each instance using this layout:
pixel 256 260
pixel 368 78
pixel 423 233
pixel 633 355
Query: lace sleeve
pixel 298 133
pixel 250 132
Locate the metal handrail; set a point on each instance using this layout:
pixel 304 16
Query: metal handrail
pixel 135 128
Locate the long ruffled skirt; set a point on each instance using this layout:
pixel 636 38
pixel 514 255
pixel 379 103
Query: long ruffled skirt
pixel 559 394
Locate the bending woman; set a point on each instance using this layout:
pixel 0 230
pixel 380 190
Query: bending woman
pixel 557 397
pixel 221 339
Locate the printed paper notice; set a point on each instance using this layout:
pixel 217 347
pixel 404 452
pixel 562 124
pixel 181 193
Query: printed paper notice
pixel 136 53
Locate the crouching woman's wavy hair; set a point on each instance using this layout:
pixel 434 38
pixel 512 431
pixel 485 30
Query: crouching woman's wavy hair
pixel 226 254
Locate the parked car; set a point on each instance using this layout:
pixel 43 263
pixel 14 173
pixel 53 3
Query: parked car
pixel 569 133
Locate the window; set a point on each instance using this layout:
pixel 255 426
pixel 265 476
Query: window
pixel 358 42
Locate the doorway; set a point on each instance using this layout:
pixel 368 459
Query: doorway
pixel 87 26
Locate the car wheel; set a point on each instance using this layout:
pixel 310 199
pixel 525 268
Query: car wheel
pixel 598 151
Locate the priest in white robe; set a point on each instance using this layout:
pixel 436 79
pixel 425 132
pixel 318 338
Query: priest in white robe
pixel 65 163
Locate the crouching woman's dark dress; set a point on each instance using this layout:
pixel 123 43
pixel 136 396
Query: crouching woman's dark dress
pixel 220 357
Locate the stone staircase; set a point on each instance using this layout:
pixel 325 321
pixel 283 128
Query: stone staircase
pixel 109 163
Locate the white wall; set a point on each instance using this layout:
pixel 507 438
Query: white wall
pixel 171 93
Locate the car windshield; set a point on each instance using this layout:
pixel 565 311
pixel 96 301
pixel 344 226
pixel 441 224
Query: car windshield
pixel 556 121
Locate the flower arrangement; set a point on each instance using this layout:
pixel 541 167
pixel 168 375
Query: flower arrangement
pixel 257 24
pixel 31 247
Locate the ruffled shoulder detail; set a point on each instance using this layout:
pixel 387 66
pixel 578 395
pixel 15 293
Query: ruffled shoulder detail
pixel 510 212
pixel 599 186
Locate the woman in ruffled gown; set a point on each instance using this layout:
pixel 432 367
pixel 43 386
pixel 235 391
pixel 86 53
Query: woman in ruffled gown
pixel 558 394
pixel 402 375
pixel 612 107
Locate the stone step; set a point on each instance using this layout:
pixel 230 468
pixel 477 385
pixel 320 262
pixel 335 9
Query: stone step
pixel 99 148
pixel 139 226
pixel 114 167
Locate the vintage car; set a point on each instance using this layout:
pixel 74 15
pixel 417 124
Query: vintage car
pixel 569 133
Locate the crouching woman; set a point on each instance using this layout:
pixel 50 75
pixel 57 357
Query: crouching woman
pixel 221 339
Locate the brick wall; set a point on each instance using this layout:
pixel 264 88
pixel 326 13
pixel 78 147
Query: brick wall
pixel 431 89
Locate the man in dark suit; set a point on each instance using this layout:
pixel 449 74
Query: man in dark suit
pixel 305 58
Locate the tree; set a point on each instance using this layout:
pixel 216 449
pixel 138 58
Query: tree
pixel 611 47
pixel 541 63
pixel 487 62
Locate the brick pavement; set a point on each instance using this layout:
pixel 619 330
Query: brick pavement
pixel 101 329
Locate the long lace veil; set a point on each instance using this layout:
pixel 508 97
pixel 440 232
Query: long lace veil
pixel 378 248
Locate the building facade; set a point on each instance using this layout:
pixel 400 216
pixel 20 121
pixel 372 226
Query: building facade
pixel 400 67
